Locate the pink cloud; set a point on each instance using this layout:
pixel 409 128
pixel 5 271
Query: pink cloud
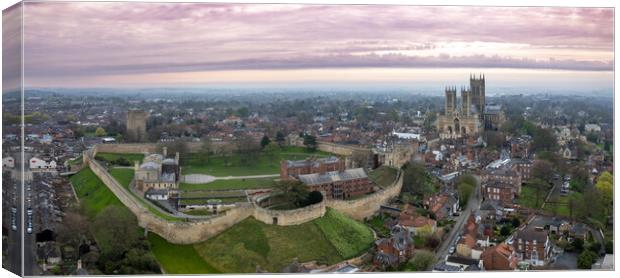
pixel 112 38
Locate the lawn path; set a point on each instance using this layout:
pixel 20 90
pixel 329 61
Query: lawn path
pixel 202 178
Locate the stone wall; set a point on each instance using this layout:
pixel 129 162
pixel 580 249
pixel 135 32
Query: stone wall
pixel 368 205
pixel 125 148
pixel 290 217
pixel 339 149
pixel 179 232
pixel 196 230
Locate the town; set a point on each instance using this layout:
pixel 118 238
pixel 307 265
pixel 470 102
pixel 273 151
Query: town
pixel 252 181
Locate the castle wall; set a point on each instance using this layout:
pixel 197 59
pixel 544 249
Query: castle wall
pixel 290 217
pixel 196 230
pixel 368 205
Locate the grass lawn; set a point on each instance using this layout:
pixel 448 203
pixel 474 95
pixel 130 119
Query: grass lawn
pixel 560 205
pixel 349 237
pixel 114 156
pixel 262 164
pixel 204 201
pixel 178 259
pixel 230 184
pixel 94 196
pixel 527 198
pixel 252 243
pixel 383 176
pixel 376 222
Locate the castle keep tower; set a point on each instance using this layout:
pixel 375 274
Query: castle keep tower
pixel 478 96
pixel 136 125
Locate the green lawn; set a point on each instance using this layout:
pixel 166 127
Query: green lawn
pixel 250 243
pixel 349 237
pixel 376 222
pixel 227 200
pixel 131 157
pixel 230 184
pixel 383 176
pixel 122 175
pixel 262 164
pixel 178 259
pixel 94 196
pixel 527 198
pixel 560 205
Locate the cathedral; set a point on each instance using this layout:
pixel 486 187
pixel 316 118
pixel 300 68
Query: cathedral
pixel 467 118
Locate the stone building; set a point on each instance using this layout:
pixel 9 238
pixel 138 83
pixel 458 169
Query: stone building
pixel 157 172
pixel 293 168
pixel 532 245
pixel 136 125
pixel 465 119
pixel 339 184
pixel 494 117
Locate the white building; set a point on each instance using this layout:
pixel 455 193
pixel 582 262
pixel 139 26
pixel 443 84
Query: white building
pixel 37 163
pixel 592 128
pixel 8 162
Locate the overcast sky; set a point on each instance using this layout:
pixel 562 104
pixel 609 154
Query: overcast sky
pixel 173 44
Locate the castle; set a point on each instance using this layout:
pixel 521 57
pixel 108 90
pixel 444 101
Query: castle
pixel 471 116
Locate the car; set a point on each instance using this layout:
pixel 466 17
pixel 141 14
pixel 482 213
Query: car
pixel 452 249
pixel 13 209
pixel 456 213
pixel 29 211
pixel 29 229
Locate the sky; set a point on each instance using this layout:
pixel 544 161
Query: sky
pixel 120 44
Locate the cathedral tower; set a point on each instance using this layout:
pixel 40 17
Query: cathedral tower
pixel 450 101
pixel 476 85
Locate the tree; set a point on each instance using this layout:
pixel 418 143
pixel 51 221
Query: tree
pixel 314 197
pixel 577 244
pixel 465 186
pixel 100 132
pixel 310 142
pixel 292 191
pixel 73 230
pixel 204 152
pixel 544 140
pixel 605 185
pixel 264 142
pixel 280 138
pixel 504 231
pixel 248 149
pixel 586 259
pixel 540 190
pixel 417 180
pixel 359 158
pixel 114 228
pixel 271 152
pixel 421 261
pixel 542 169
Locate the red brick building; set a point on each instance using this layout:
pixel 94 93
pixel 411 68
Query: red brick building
pixel 339 184
pixel 396 249
pixel 499 191
pixel 294 168
pixel 500 257
pixel 503 175
pixel 532 245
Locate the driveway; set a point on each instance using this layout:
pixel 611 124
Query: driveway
pixel 202 178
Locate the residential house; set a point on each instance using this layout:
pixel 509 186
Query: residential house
pixel 532 245
pixel 499 191
pixel 442 204
pixel 500 257
pixel 396 249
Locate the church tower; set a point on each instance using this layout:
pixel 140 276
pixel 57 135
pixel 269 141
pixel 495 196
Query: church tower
pixel 450 101
pixel 465 102
pixel 476 85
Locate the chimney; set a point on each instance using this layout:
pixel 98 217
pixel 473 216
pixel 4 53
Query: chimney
pixel 176 158
pixel 79 264
pixel 165 151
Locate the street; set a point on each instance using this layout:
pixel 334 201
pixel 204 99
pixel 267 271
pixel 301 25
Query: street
pixel 473 204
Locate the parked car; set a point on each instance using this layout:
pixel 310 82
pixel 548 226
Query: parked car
pixel 452 249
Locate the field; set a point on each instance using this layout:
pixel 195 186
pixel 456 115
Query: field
pixel 252 243
pixel 131 157
pixel 230 184
pixel 349 237
pixel 94 196
pixel 383 176
pixel 262 164
pixel 178 259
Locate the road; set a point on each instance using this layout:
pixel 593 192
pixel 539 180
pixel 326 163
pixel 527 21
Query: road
pixel 30 266
pixel 473 204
